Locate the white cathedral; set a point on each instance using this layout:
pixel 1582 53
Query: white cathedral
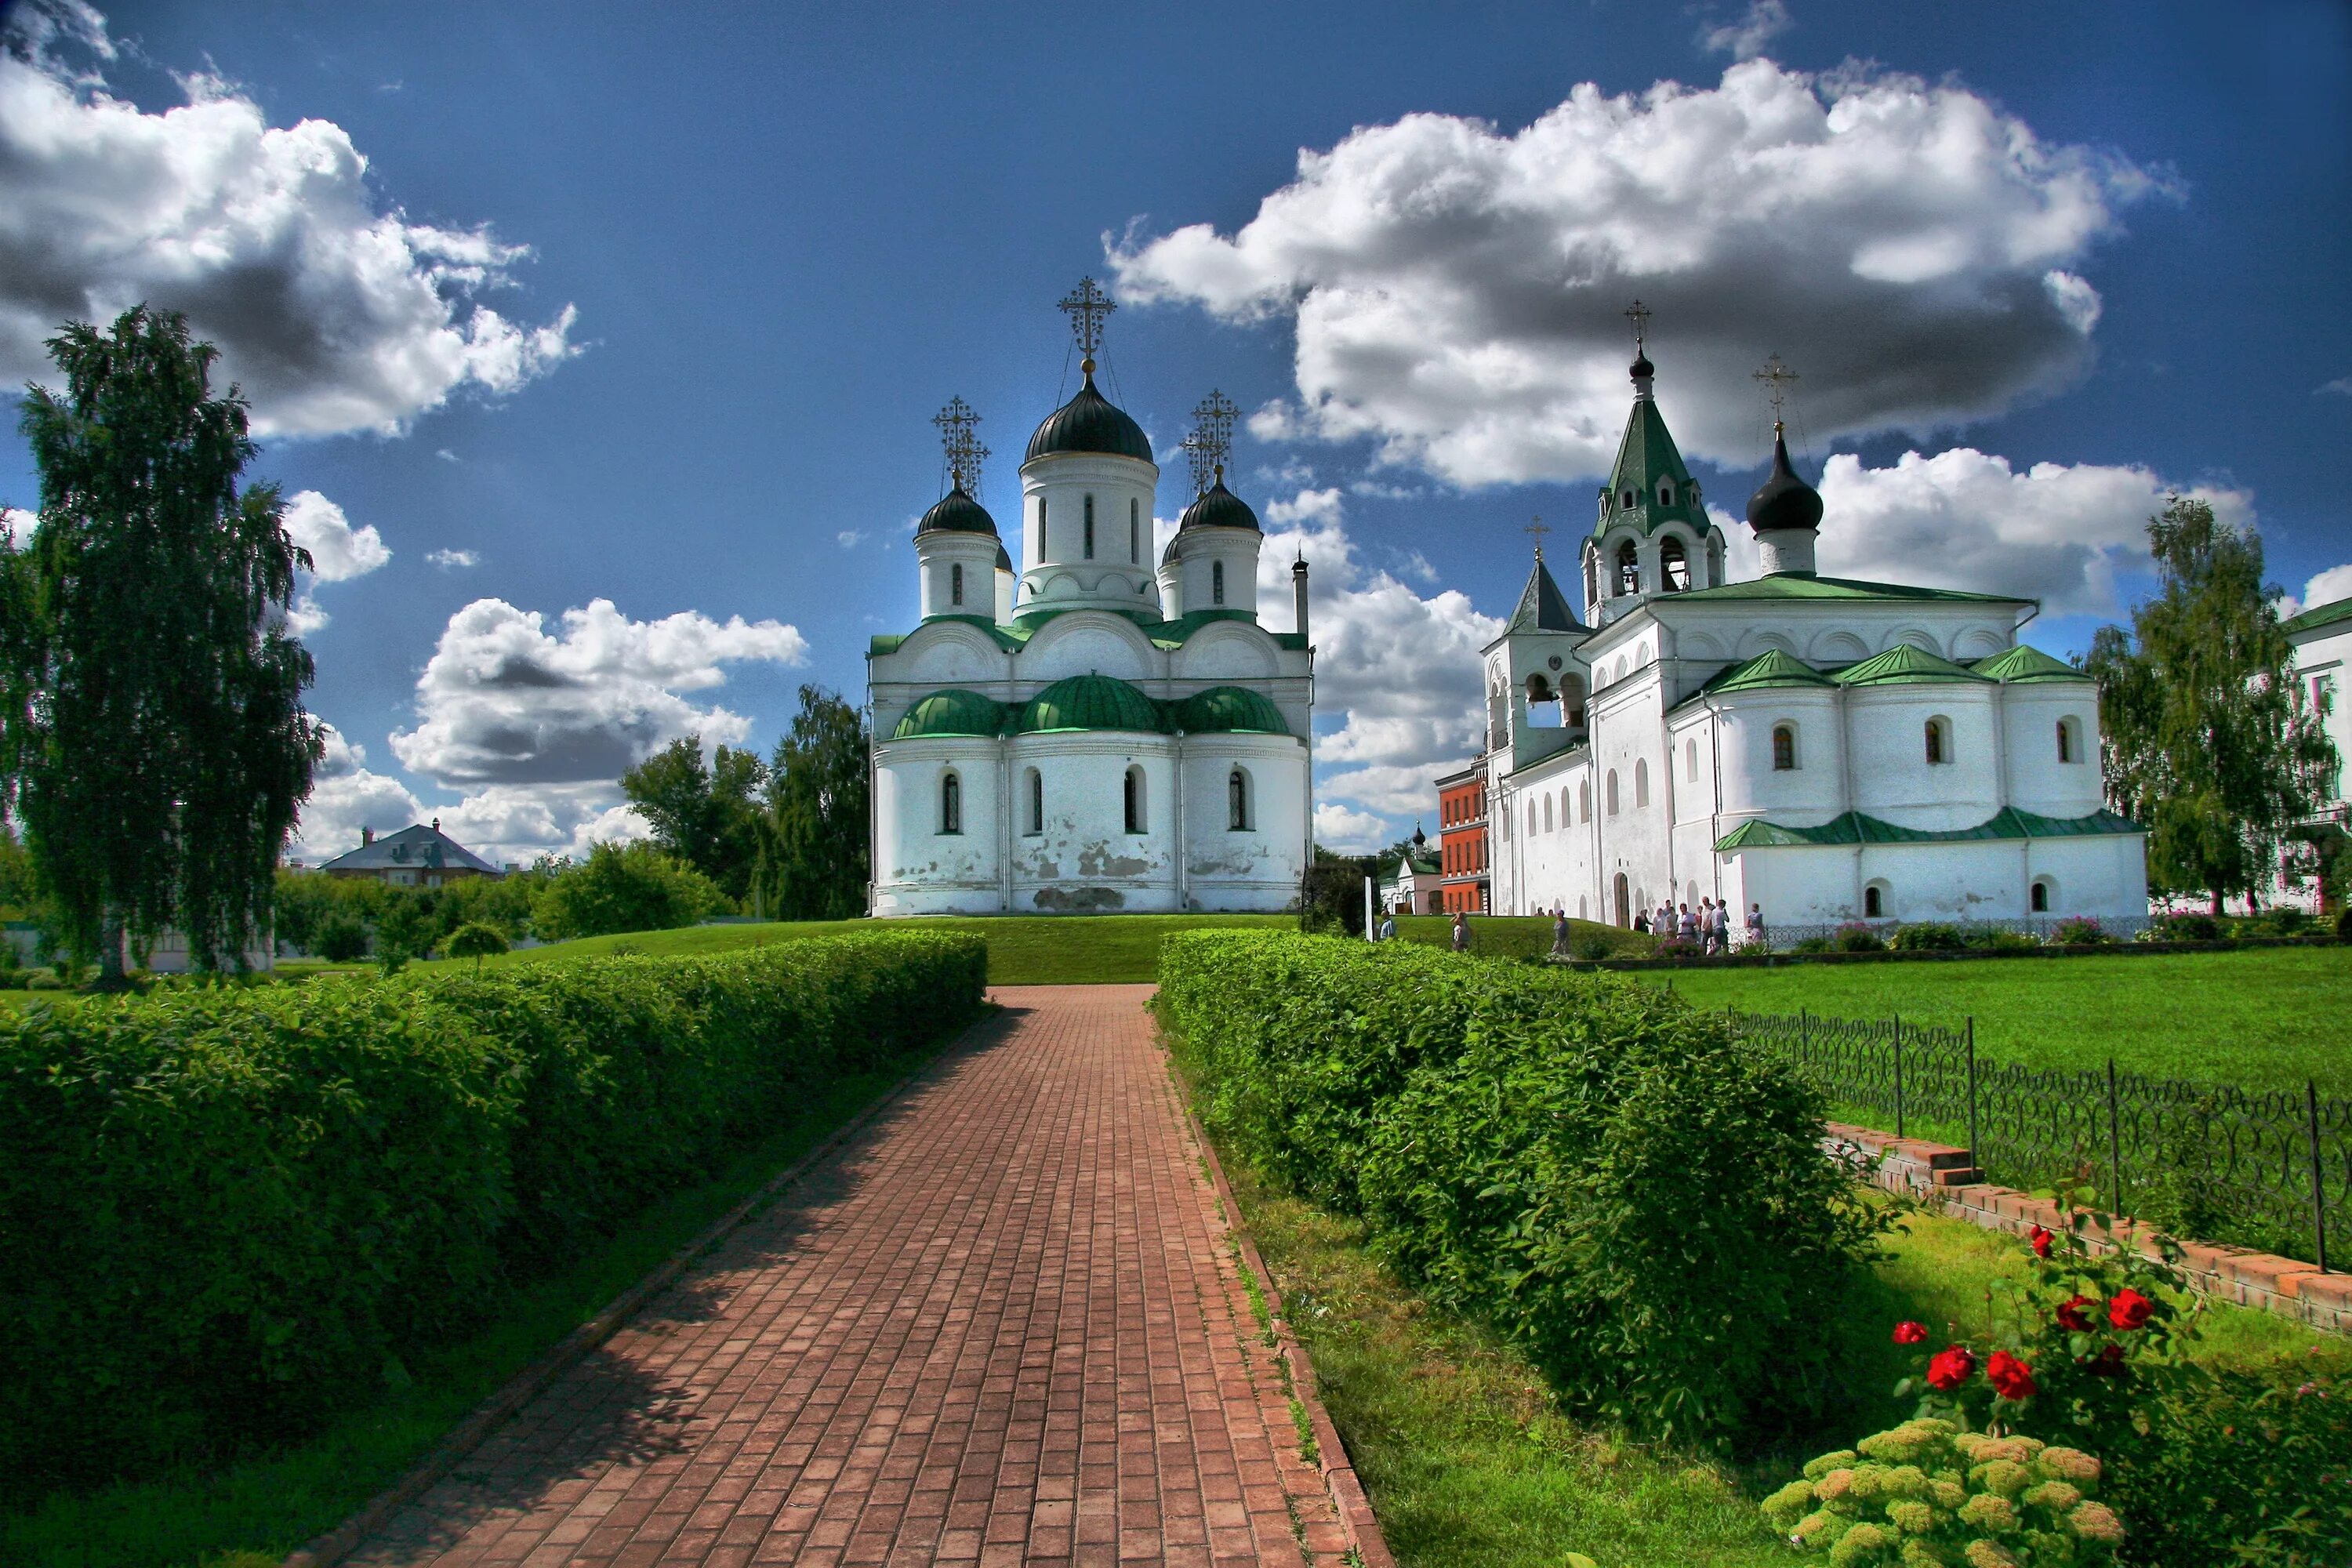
pixel 1091 731
pixel 1829 749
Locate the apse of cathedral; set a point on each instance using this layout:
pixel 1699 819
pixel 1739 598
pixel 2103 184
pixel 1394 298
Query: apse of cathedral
pixel 1087 729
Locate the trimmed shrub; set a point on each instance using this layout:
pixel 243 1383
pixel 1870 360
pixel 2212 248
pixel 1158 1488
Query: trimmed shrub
pixel 2079 930
pixel 1581 1158
pixel 1857 937
pixel 224 1210
pixel 1993 939
pixel 1930 937
pixel 2191 925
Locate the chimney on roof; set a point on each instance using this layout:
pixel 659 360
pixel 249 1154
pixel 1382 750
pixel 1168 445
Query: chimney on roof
pixel 367 836
pixel 436 824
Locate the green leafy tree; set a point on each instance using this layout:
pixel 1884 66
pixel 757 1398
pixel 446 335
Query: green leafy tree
pixel 817 838
pixel 706 814
pixel 153 717
pixel 474 941
pixel 634 887
pixel 2208 736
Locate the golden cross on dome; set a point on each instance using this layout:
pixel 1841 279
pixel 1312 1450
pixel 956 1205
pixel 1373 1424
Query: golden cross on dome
pixel 1087 307
pixel 1212 441
pixel 1639 316
pixel 1777 379
pixel 1536 531
pixel 957 428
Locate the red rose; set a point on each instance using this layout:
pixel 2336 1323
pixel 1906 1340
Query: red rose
pixel 1950 1367
pixel 2071 1316
pixel 1910 1333
pixel 2010 1378
pixel 2130 1310
pixel 2041 1239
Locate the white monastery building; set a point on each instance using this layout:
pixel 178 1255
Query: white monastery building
pixel 2322 638
pixel 1089 731
pixel 1830 750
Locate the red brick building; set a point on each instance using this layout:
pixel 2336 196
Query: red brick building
pixel 1462 858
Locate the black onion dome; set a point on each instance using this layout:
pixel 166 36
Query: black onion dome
pixel 1090 423
pixel 957 513
pixel 1219 508
pixel 1641 366
pixel 1783 501
pixel 1003 562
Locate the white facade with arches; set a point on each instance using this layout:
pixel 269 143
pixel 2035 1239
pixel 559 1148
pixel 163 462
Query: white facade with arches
pixel 1111 735
pixel 1829 749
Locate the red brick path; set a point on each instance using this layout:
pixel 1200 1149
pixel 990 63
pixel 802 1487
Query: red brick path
pixel 1004 1325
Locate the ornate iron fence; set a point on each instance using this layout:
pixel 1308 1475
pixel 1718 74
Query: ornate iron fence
pixel 2040 927
pixel 2270 1170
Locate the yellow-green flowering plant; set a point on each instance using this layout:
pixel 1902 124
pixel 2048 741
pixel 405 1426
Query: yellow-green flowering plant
pixel 1928 1495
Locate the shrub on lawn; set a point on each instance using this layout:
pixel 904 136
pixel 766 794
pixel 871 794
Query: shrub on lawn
pixel 1857 937
pixel 1930 937
pixel 224 1210
pixel 1582 1160
pixel 1993 939
pixel 2190 925
pixel 2079 930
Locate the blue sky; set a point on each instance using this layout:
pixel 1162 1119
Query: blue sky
pixel 735 258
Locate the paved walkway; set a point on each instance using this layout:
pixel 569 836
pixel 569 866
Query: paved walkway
pixel 1004 1325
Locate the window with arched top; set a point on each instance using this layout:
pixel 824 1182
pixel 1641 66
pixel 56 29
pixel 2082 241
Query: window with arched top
pixel 1134 529
pixel 1036 802
pixel 1547 800
pixel 1091 528
pixel 1784 748
pixel 1641 783
pixel 1665 493
pixel 1629 568
pixel 2070 740
pixel 1134 801
pixel 1216 582
pixel 1873 902
pixel 1237 801
pixel 1584 801
pixel 2040 897
pixel 1674 564
pixel 1625 500
pixel 1612 791
pixel 1690 761
pixel 1939 741
pixel 955 583
pixel 951 804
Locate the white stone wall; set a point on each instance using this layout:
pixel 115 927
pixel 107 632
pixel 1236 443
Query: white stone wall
pixel 1058 569
pixel 2036 780
pixel 938 554
pixel 1889 776
pixel 2103 876
pixel 1201 550
pixel 2324 657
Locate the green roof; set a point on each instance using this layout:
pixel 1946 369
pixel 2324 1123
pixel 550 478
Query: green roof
pixel 1089 703
pixel 1798 585
pixel 1542 606
pixel 2023 663
pixel 2320 615
pixel 952 713
pixel 1165 634
pixel 1854 827
pixel 1904 664
pixel 1770 668
pixel 1230 709
pixel 1646 454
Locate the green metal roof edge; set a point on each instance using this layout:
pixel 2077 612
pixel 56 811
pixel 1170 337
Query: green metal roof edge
pixel 1771 668
pixel 1165 632
pixel 2024 665
pixel 1905 665
pixel 2319 616
pixel 1854 827
pixel 1795 586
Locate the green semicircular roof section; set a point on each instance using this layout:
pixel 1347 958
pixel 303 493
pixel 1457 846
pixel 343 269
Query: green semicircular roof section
pixel 2021 663
pixel 2319 616
pixel 1786 586
pixel 952 713
pixel 1854 827
pixel 1770 668
pixel 1904 664
pixel 1089 703
pixel 1230 709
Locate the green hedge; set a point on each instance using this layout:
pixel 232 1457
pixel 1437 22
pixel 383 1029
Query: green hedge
pixel 221 1211
pixel 1581 1160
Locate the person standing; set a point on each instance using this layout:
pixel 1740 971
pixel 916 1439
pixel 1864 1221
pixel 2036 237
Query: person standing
pixel 1387 927
pixel 1754 925
pixel 1560 932
pixel 1461 931
pixel 1687 925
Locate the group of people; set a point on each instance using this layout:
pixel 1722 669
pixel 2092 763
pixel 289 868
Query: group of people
pixel 1708 926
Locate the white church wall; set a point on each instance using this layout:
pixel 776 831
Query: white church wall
pixel 919 869
pixel 2104 877
pixel 1886 730
pixel 949 653
pixel 1089 642
pixel 940 556
pixel 1226 651
pixel 1203 551
pixel 2037 781
pixel 1803 796
pixel 1080 858
pixel 1258 867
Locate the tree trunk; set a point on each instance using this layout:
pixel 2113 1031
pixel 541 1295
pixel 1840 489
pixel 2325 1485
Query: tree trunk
pixel 109 954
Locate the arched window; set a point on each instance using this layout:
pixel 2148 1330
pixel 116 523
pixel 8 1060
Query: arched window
pixel 1580 908
pixel 1674 565
pixel 1629 566
pixel 2070 741
pixel 2040 897
pixel 1546 814
pixel 1641 783
pixel 1134 529
pixel 1665 493
pixel 1134 800
pixel 1592 577
pixel 1237 801
pixel 1690 761
pixel 1041 521
pixel 1784 748
pixel 1216 582
pixel 1940 742
pixel 1091 528
pixel 951 804
pixel 1624 901
pixel 1611 793
pixel 1036 802
pixel 1584 801
pixel 1625 500
pixel 955 583
pixel 1873 902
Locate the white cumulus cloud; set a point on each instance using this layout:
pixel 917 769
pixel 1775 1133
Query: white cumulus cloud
pixel 1349 832
pixel 339 553
pixel 504 700
pixel 451 560
pixel 331 312
pixel 502 823
pixel 2325 588
pixel 1456 291
pixel 1764 21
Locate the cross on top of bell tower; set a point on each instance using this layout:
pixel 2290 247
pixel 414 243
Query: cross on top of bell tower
pixel 1087 307
pixel 1212 441
pixel 957 426
pixel 1536 531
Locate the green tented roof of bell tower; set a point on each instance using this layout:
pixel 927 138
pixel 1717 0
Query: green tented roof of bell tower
pixel 1646 455
pixel 1542 606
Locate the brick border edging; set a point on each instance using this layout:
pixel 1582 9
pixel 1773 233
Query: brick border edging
pixel 1362 1526
pixel 324 1551
pixel 1945 1180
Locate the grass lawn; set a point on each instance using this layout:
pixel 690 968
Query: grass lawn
pixel 2263 1018
pixel 249 1515
pixel 1469 1465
